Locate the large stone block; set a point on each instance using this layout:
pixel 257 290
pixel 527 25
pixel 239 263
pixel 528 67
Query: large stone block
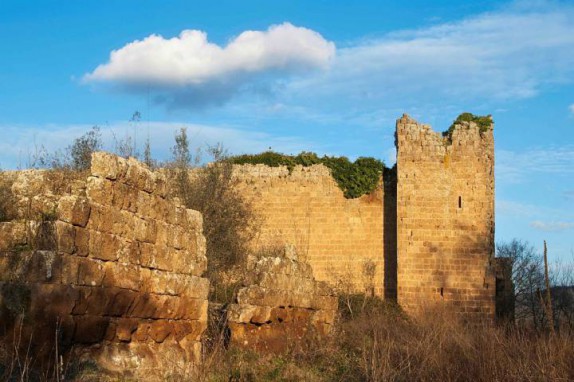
pixel 108 166
pixel 188 330
pixel 74 210
pixel 12 235
pixel 65 237
pixel 90 272
pixel 81 241
pixel 125 276
pixel 188 286
pixel 192 309
pixel 99 190
pixel 160 330
pixel 104 246
pixel 282 306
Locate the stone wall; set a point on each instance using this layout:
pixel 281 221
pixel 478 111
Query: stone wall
pixel 445 209
pixel 338 237
pixel 113 268
pixel 282 307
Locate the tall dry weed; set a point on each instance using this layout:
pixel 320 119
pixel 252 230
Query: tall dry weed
pixel 380 343
pixel 7 199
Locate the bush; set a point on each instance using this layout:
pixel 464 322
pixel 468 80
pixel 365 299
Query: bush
pixel 483 122
pixel 353 178
pixel 229 222
pixel 76 157
pixel 82 148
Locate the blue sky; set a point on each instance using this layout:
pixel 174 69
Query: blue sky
pixel 327 76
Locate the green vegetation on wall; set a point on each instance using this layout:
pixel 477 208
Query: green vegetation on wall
pixel 484 122
pixel 354 178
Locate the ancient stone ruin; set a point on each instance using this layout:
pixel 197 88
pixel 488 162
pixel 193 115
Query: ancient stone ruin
pixel 113 267
pixel 429 232
pixel 445 226
pixel 110 268
pixel 283 306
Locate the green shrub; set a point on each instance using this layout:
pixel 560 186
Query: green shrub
pixel 483 122
pixel 353 178
pixel 229 221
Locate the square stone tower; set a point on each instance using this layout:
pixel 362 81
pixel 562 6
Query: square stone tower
pixel 445 218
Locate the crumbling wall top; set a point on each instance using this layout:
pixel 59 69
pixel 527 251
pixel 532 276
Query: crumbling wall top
pixel 261 171
pixel 412 136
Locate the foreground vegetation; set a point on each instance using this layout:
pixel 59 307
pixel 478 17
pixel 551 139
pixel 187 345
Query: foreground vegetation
pixel 380 344
pixel 376 343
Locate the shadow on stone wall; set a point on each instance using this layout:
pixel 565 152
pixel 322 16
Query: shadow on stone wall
pixel 390 233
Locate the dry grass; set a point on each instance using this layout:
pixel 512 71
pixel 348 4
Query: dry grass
pixel 380 344
pixel 7 200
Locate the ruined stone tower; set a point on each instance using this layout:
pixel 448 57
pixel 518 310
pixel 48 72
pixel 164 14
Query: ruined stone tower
pixel 445 218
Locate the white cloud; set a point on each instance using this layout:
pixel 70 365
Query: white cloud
pixel 203 72
pixel 512 53
pixel 571 108
pixel 551 226
pixel 535 213
pixel 514 167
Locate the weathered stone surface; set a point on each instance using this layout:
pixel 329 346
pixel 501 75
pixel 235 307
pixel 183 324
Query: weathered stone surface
pixel 160 330
pixel 74 210
pixel 125 328
pixel 149 361
pixel 113 261
pixel 306 208
pixel 81 241
pixel 445 203
pixel 283 305
pixel 439 215
pixel 66 237
pixel 12 235
pixel 90 329
pixel 131 259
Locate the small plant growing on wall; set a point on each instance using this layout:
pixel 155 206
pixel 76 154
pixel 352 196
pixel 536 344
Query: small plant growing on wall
pixel 484 122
